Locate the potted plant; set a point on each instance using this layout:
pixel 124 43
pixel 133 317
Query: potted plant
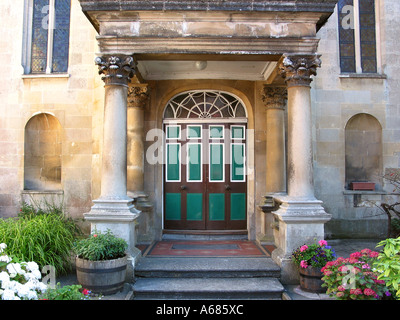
pixel 101 262
pixel 310 259
pixel 355 278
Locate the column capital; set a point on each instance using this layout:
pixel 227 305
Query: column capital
pixel 297 69
pixel 117 69
pixel 138 96
pixel 274 97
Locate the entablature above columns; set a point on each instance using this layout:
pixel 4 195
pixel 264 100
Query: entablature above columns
pixel 217 46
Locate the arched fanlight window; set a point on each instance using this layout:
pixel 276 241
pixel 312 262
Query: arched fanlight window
pixel 204 104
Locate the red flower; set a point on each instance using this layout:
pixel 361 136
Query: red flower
pixel 86 292
pixel 369 292
pixel 95 235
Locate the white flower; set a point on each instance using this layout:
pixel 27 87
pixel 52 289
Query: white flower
pixel 8 295
pixel 37 274
pixel 5 259
pixel 2 247
pixel 15 268
pixel 22 290
pixel 32 266
pixel 32 295
pixel 41 287
pixel 4 278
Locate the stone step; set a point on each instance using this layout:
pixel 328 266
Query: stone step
pixel 205 267
pixel 262 288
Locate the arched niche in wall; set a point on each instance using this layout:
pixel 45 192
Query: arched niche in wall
pixel 42 153
pixel 363 144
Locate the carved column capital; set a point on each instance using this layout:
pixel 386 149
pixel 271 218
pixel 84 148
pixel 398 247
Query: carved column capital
pixel 138 96
pixel 117 69
pixel 274 97
pixel 298 69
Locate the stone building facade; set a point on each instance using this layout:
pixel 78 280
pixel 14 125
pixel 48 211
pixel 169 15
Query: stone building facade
pixel 247 118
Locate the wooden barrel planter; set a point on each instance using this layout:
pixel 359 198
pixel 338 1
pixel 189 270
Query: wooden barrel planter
pixel 105 277
pixel 310 280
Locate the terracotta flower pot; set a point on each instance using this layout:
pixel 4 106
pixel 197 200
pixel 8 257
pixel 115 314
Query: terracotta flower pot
pixel 105 277
pixel 310 280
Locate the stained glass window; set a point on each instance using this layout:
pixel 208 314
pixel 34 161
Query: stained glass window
pixel 61 35
pixel 368 36
pixel 352 37
pixel 56 42
pixel 39 36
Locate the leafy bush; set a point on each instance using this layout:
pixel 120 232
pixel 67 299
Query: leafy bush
pixel 46 239
pixel 69 292
pixel 388 264
pixel 100 246
pixel 354 278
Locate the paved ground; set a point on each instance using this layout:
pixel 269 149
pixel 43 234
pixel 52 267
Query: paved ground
pixel 342 247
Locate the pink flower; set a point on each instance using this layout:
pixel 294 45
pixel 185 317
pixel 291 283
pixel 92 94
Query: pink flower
pixel 327 272
pixel 303 248
pixel 339 294
pixel 341 288
pixel 366 251
pixel 379 281
pixel 95 235
pixel 322 243
pixel 357 291
pixel 356 255
pixel 343 269
pixel 303 264
pixel 369 292
pixel 373 254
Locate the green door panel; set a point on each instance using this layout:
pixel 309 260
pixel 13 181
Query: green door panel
pixel 173 206
pixel 216 206
pixel 194 207
pixel 238 206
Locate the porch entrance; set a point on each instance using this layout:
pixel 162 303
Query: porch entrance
pixel 205 185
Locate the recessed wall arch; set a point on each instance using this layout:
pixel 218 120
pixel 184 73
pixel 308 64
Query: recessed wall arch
pixel 363 149
pixel 42 153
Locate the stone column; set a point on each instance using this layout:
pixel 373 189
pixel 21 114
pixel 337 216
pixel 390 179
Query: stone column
pixel 274 99
pixel 300 217
pixel 138 96
pixel 114 210
pixel 137 99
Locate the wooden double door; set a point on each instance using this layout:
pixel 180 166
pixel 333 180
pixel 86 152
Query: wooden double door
pixel 205 184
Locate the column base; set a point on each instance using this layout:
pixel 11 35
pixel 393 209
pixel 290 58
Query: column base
pixel 119 216
pixel 298 221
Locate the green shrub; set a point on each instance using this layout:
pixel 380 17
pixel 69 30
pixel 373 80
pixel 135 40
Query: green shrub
pixel 388 264
pixel 69 292
pixel 100 247
pixel 46 239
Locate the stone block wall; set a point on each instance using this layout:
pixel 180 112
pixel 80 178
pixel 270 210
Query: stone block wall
pixel 70 98
pixel 336 99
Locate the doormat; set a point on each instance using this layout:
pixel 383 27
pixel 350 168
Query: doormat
pixel 234 248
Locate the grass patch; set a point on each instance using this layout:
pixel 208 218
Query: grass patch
pixel 40 234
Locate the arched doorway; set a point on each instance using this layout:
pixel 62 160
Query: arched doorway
pixel 205 183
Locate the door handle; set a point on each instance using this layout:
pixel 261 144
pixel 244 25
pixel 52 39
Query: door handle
pixel 183 187
pixel 228 187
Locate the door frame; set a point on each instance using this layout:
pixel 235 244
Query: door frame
pixel 207 121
